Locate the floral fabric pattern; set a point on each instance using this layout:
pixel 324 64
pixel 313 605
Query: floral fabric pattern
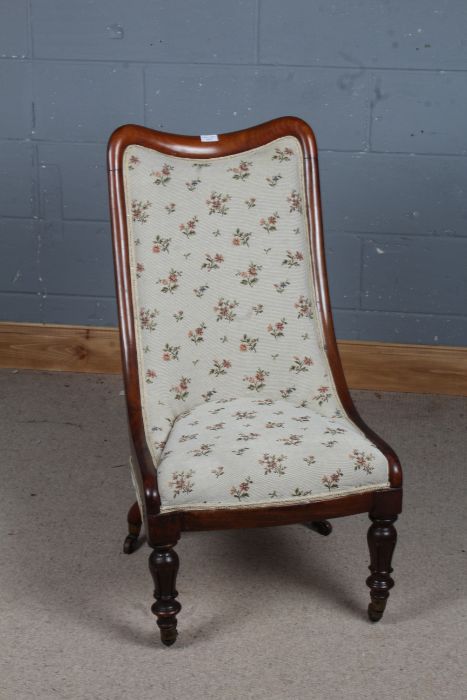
pixel 264 452
pixel 224 308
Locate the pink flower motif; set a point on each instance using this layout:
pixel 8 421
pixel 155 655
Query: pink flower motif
pixel 182 482
pixel 300 365
pixel 170 283
pixel 217 203
pixel 150 376
pixel 293 259
pixel 212 262
pixel 189 228
pixel 242 171
pixel 332 481
pixel 170 352
pixel 269 222
pixel 277 329
pixel 250 276
pixel 303 305
pixel 220 367
pixel 162 176
pixel 133 162
pixel 225 309
pixel 257 381
pixel 181 390
pixel 283 154
pixel 363 460
pixel 139 210
pixel 295 201
pixel 323 395
pixel 196 335
pixel 241 491
pixel 160 244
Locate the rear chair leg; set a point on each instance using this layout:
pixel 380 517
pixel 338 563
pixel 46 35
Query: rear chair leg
pixel 134 529
pixel 323 527
pixel 163 565
pixel 382 537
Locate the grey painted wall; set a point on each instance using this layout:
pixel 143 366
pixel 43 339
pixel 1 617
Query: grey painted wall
pixel 384 84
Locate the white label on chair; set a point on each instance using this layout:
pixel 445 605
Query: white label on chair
pixel 209 137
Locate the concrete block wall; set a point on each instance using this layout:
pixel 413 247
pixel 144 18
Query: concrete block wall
pixel 384 85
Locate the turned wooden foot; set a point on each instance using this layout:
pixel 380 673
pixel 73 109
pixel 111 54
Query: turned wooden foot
pixel 323 527
pixel 382 537
pixel 163 565
pixel 134 529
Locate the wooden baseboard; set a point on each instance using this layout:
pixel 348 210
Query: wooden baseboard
pixel 425 369
pixel 59 348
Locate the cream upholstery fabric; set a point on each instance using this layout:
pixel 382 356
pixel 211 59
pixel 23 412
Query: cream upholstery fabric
pixel 259 451
pixel 225 309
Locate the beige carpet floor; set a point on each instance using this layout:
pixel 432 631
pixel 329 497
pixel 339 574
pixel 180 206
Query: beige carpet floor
pixel 268 613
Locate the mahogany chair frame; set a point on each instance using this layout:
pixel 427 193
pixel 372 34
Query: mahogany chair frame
pixel 164 529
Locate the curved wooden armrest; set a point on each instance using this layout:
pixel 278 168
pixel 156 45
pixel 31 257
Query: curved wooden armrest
pixel 394 465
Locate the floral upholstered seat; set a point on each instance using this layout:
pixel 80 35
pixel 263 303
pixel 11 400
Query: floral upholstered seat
pixel 238 400
pixel 259 451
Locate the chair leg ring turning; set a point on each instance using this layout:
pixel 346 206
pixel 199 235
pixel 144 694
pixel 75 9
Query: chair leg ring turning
pixel 163 565
pixel 382 537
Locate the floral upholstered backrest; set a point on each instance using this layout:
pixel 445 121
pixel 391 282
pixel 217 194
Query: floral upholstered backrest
pixel 222 285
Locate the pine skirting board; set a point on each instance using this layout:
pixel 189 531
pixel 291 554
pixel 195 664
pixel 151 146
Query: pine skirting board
pixel 426 369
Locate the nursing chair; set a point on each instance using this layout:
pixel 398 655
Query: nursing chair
pixel 238 408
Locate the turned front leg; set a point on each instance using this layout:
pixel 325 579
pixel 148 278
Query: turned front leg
pixel 382 537
pixel 163 565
